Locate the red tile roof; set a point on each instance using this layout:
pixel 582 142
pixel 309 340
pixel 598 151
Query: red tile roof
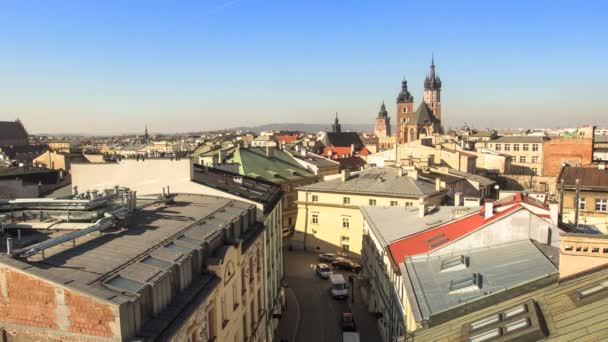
pixel 433 238
pixel 286 139
pixel 341 151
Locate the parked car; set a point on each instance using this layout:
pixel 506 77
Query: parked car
pixel 348 265
pixel 348 322
pixel 337 286
pixel 323 270
pixel 327 257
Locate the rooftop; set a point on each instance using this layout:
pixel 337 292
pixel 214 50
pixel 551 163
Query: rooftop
pixel 589 178
pixel 276 168
pixel 520 139
pixel 256 190
pixel 441 284
pixel 378 181
pixel 392 223
pixel 115 265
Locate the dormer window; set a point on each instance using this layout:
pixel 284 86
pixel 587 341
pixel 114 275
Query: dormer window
pixel 454 264
pixel 470 282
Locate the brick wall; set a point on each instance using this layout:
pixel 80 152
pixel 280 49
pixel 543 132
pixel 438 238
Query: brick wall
pixel 558 151
pixel 26 300
pixel 30 306
pixel 88 316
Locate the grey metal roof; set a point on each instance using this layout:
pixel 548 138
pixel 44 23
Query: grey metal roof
pixel 97 258
pixel 503 267
pixel 520 139
pixel 378 181
pixel 483 181
pixel 393 223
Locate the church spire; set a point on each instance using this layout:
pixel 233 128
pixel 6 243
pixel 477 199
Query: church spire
pixel 336 127
pixel 432 81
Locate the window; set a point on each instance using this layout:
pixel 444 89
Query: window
pixel 243 284
pixel 526 147
pixel 582 203
pixel 235 301
pixel 534 171
pixel 344 239
pixel 534 147
pixel 454 263
pixel 224 317
pixel 372 202
pixel 210 325
pixel 468 281
pixel 346 200
pixel 515 147
pixel 507 147
pixel 522 159
pixel 601 204
pixel 497 147
pixel 535 159
pixel 315 218
pixel 345 222
pixel 315 198
pixel 521 322
pixel 591 293
pixel 394 203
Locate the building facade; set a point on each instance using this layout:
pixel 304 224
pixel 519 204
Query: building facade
pixel 329 218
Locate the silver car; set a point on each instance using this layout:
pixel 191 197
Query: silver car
pixel 323 270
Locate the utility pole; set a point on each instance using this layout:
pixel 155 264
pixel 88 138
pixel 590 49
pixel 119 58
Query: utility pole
pixel 576 200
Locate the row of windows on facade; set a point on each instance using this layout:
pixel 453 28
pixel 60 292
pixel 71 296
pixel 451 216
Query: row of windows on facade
pixel 524 159
pixel 601 204
pixel 525 147
pixel 371 201
pixel 345 220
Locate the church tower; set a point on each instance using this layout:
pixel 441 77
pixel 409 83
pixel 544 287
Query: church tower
pixel 383 123
pixel 405 111
pixel 336 127
pixel 432 91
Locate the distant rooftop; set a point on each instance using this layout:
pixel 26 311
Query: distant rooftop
pixel 378 181
pixel 520 139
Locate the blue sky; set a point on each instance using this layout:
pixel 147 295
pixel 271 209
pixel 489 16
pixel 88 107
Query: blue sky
pixel 115 66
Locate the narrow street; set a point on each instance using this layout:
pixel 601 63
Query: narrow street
pixel 312 314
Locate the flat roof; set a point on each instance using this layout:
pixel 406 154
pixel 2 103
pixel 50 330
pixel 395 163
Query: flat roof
pixel 163 233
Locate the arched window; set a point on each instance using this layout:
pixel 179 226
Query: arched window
pixel 423 131
pixel 412 135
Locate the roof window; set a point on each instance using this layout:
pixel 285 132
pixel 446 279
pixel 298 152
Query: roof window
pixel 469 282
pixel 125 284
pixel 459 262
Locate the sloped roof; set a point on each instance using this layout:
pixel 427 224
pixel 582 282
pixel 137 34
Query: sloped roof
pixel 591 178
pixel 277 168
pixel 431 239
pixel 424 115
pixel 12 130
pixel 342 139
pixel 520 139
pixel 378 181
pixel 502 267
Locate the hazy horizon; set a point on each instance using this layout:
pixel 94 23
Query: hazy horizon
pixel 106 67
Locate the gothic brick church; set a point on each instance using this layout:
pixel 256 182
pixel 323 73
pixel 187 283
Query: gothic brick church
pixel 426 120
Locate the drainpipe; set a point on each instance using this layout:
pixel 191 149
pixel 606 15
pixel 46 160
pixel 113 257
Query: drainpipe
pixel 305 219
pixel 576 200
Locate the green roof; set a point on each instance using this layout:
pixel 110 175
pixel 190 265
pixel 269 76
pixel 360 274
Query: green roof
pixel 277 168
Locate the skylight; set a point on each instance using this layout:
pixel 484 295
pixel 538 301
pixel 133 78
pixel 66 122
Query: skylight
pixel 469 282
pixel 592 290
pixel 125 284
pixel 150 260
pixel 454 263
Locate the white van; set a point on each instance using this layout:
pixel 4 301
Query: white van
pixel 337 286
pixel 350 336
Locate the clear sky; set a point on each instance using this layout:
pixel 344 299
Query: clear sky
pixel 115 66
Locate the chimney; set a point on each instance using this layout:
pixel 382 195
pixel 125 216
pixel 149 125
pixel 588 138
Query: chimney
pixel 601 166
pixel 421 210
pixel 489 209
pixel 219 156
pixel 268 151
pixel 352 148
pixel 9 246
pixel 400 171
pixel 458 199
pixel 303 152
pixel 437 184
pixel 554 212
pixel 75 190
pixel 345 175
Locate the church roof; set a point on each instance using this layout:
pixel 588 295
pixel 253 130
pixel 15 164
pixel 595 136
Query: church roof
pixel 424 115
pixel 342 139
pixel 12 131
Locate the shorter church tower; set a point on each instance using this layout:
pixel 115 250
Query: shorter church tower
pixel 383 123
pixel 405 111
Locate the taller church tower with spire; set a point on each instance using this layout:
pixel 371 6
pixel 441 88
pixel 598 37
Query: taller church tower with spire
pixel 432 91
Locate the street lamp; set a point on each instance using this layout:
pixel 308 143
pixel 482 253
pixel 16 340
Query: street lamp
pixel 497 188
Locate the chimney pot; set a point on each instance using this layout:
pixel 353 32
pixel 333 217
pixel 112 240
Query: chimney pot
pixel 345 175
